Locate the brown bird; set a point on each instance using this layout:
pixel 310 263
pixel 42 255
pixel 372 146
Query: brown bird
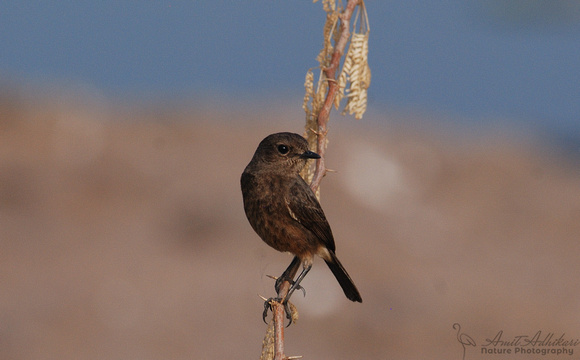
pixel 284 211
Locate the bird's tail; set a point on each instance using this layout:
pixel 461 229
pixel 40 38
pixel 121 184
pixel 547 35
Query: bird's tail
pixel 344 280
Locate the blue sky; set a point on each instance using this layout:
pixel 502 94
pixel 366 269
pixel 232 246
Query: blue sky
pixel 481 60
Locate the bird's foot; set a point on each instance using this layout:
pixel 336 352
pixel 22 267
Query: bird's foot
pixel 280 280
pixel 287 309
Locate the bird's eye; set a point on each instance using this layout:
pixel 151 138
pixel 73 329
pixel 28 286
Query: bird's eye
pixel 283 149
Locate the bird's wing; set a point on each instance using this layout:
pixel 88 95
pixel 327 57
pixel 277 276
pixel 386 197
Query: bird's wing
pixel 305 208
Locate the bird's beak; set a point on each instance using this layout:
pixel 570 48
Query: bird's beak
pixel 310 155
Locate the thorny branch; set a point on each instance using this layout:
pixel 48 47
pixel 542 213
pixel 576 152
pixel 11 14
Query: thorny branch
pixel 273 344
pixel 330 73
pixel 275 349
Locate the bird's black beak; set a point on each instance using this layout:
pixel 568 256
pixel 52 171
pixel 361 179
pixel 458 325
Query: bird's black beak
pixel 310 155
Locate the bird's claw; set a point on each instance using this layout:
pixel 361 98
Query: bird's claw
pixel 268 306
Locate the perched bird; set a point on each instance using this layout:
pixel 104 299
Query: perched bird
pixel 284 211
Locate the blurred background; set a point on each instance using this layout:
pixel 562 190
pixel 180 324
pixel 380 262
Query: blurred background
pixel 124 128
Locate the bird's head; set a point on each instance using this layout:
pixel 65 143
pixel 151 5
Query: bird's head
pixel 283 151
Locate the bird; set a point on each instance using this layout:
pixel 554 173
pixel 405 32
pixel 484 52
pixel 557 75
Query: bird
pixel 284 211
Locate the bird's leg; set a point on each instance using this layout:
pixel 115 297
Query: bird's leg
pixel 288 274
pixel 296 284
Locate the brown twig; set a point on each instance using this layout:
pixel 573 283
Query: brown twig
pixel 278 313
pixel 320 170
pixel 278 319
pixel 330 74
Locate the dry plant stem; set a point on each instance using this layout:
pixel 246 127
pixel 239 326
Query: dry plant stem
pixel 322 120
pixel 278 331
pixel 330 73
pixel 278 312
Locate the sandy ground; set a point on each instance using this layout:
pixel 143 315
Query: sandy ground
pixel 122 236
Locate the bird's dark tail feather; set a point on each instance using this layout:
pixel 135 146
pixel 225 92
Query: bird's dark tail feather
pixel 344 280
